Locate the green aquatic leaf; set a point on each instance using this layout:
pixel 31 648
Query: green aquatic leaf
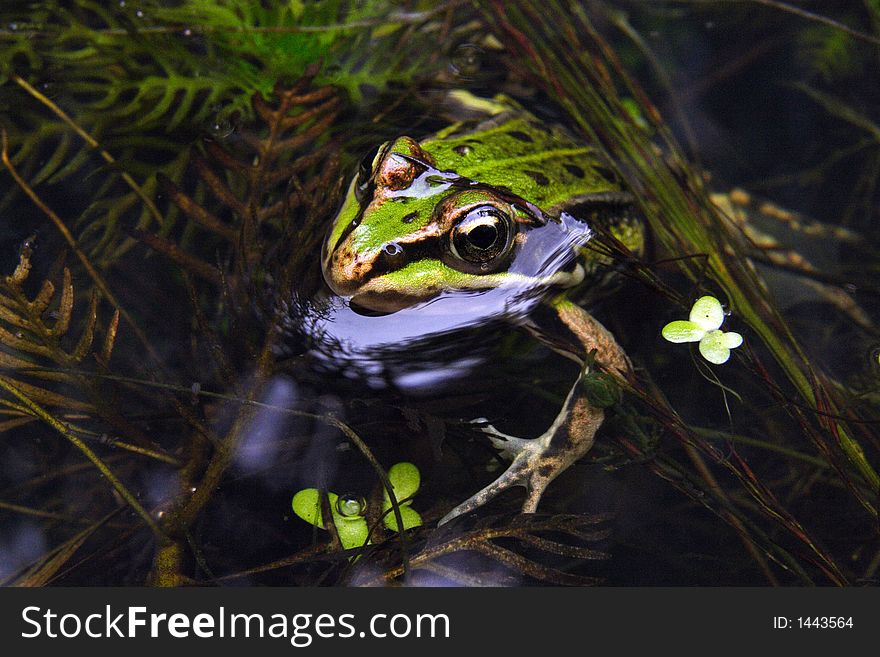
pixel 706 317
pixel 307 505
pixel 348 511
pixel 353 532
pixel 408 515
pixel 715 346
pixel 125 71
pixel 707 313
pixel 405 479
pixel 683 330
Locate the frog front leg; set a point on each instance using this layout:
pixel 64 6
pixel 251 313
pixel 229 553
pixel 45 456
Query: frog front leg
pixel 537 462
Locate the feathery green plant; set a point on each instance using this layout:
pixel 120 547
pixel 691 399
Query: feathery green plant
pixel 143 78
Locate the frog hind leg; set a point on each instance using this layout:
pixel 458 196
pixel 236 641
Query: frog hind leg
pixel 537 462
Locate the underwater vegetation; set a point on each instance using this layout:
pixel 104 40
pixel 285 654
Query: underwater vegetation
pixel 169 398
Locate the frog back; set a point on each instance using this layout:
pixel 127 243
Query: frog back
pixel 514 151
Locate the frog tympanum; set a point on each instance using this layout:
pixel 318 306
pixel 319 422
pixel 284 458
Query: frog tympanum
pixel 505 204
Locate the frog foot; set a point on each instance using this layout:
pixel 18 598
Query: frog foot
pixel 509 446
pixel 536 462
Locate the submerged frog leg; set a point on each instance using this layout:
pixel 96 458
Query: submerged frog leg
pixel 538 461
pixel 535 463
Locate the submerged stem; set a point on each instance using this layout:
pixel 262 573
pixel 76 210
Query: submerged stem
pixel 60 427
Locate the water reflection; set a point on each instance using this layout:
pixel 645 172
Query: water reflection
pixel 21 544
pixel 262 439
pixel 425 346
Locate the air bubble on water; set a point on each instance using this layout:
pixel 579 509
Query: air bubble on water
pixel 221 125
pixel 466 60
pixel 350 505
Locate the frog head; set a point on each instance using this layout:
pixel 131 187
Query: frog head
pixel 408 231
pixel 455 213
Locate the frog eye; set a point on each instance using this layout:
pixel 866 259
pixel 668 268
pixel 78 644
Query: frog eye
pixel 480 241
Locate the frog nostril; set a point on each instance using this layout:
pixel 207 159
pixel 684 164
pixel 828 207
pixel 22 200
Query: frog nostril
pixel 392 249
pixel 392 256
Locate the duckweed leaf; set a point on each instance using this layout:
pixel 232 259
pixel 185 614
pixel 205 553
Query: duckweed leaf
pixel 716 345
pixel 683 331
pixel 353 532
pixel 405 480
pixel 408 515
pixel 707 313
pixel 307 505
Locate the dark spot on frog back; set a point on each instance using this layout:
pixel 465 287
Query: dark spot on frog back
pixel 521 136
pixel 463 149
pixel 409 218
pixel 605 173
pixel 575 170
pixel 538 177
pixel 597 171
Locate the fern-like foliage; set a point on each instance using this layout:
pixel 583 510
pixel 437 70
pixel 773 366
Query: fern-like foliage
pixel 144 78
pixel 270 190
pixel 504 552
pixel 254 207
pixel 38 346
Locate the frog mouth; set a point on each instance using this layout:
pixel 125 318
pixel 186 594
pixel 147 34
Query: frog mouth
pixel 372 291
pixel 387 301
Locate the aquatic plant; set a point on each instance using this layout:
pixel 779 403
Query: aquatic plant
pixel 348 511
pixel 141 77
pixel 704 326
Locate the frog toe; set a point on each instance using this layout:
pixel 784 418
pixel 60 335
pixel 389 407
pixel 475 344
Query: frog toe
pixel 515 475
pixel 509 446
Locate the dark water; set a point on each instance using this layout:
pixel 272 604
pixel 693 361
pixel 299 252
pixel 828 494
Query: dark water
pixel 233 362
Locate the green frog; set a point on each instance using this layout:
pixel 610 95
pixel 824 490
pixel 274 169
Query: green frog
pixel 501 207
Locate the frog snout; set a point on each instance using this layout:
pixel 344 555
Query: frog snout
pixel 346 271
